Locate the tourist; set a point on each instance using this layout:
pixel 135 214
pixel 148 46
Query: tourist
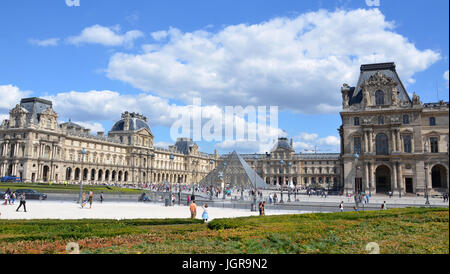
pixel 275 198
pixel 260 208
pixel 13 197
pixel 341 206
pixel 367 198
pixel 6 199
pixel 355 208
pixel 263 208
pixel 22 202
pixel 91 197
pixel 83 198
pixel 101 197
pixel 205 213
pixel 188 200
pixel 192 197
pixel 383 206
pixel 270 198
pixel 390 194
pixel 193 209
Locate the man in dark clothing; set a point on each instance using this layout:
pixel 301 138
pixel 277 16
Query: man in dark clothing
pixel 22 202
pixel 192 197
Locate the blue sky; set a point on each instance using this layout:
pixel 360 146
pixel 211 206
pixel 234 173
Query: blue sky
pixel 106 56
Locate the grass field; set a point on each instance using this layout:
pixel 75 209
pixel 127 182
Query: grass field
pixel 410 231
pixel 57 188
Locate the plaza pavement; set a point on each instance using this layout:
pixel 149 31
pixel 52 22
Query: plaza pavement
pixel 119 210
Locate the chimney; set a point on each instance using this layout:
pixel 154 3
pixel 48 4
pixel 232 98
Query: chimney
pixel 101 134
pixel 292 142
pixel 86 131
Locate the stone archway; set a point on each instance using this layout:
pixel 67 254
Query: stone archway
pixel 438 176
pixel 46 173
pixel 383 179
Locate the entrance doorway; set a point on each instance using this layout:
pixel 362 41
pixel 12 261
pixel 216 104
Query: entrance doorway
pixel 438 177
pixel 358 185
pixel 45 173
pixel 383 179
pixel 409 185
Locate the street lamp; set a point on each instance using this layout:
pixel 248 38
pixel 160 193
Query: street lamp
pixel 356 157
pixel 427 202
pixel 83 152
pixel 223 180
pixel 171 157
pixel 211 189
pixel 255 157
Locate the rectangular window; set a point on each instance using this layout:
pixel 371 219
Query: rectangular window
pixel 407 143
pixel 432 121
pixel 356 121
pixel 357 145
pixel 434 145
pixel 405 119
pixel 380 120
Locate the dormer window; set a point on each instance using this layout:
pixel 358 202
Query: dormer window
pixel 379 98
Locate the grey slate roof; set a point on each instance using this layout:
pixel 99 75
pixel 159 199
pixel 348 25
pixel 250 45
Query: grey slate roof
pixel 387 69
pixel 34 106
pixel 135 124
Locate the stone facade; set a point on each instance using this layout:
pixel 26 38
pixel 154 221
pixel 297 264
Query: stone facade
pixel 36 148
pixel 390 142
pixel 282 167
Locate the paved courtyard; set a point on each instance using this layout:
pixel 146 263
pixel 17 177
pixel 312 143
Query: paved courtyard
pixel 119 210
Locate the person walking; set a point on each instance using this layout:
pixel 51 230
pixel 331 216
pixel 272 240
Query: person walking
pixel 13 197
pixel 6 199
pixel 101 197
pixel 23 201
pixel 260 208
pixel 367 198
pixel 263 212
pixel 91 198
pixel 188 200
pixel 341 206
pixel 383 206
pixel 205 215
pixel 193 209
pixel 83 199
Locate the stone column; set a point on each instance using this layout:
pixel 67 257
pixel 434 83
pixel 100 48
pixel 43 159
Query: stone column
pixel 393 139
pixel 398 140
pixel 366 183
pixel 400 178
pixel 394 177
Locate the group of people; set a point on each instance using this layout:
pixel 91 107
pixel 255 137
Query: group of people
pixel 10 198
pixel 193 210
pixel 90 199
pixel 355 208
pixel 262 210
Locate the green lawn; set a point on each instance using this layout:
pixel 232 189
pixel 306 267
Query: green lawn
pixel 410 231
pixel 57 188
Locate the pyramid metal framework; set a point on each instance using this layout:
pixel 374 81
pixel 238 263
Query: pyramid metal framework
pixel 234 172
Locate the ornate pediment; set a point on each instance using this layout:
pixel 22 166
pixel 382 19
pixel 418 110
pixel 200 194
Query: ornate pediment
pixel 18 110
pixel 49 112
pixel 379 80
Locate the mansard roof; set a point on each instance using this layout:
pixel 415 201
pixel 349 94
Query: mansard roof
pixel 370 70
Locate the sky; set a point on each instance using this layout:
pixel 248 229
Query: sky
pixel 104 57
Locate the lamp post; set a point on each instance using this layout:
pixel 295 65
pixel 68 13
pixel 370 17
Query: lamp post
pixel 289 182
pixel 83 152
pixel 223 180
pixel 211 162
pixel 179 191
pixel 356 157
pixel 171 157
pixel 255 157
pixel 427 202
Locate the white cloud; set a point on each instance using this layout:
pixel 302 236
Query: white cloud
pixel 45 43
pixel 446 78
pixel 309 142
pixel 107 36
pixel 296 63
pixel 10 96
pixel 163 144
pixel 93 126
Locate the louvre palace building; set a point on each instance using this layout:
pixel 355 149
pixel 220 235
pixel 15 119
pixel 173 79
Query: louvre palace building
pixel 389 142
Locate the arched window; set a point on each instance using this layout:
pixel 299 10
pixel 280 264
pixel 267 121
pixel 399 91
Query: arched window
pixel 379 98
pixel 382 144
